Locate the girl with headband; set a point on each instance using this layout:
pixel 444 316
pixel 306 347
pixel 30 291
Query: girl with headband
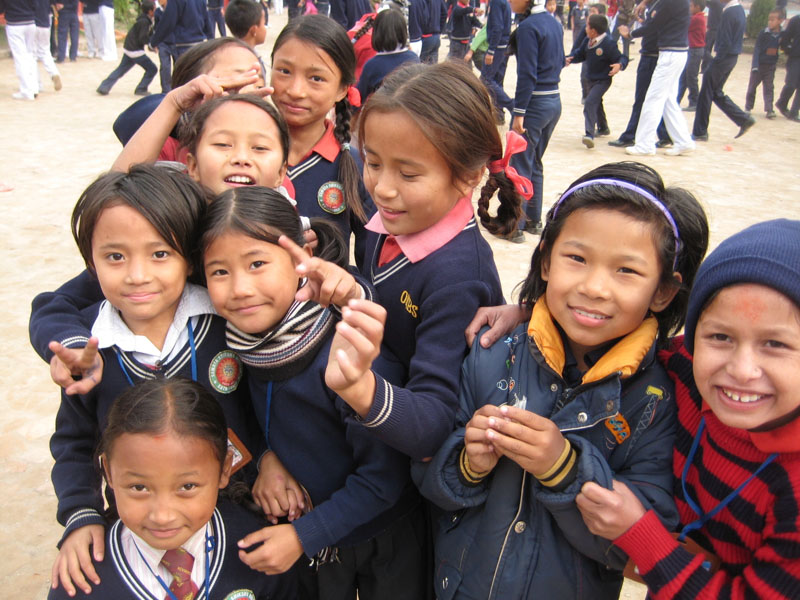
pixel 576 395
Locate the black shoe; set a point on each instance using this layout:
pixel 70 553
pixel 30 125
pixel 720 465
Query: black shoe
pixel 516 237
pixel 664 144
pixel 745 126
pixel 534 228
pixel 603 132
pixel 690 108
pixel 700 138
pixel 102 92
pixel 621 143
pixel 794 118
pixel 782 109
pixel 771 115
pixel 141 93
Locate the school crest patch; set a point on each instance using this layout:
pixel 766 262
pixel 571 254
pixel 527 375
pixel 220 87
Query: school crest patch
pixel 241 595
pixel 225 371
pixel 330 197
pixel 599 52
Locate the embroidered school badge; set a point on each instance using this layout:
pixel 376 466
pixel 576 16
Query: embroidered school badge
pixel 330 197
pixel 619 427
pixel 241 595
pixel 599 52
pixel 225 371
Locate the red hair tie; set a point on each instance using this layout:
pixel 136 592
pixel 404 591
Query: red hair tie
pixel 354 96
pixel 514 143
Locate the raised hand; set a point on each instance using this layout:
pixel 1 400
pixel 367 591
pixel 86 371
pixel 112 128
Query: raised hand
pixel 77 370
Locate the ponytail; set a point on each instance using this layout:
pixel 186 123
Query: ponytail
pixel 510 209
pixel 368 24
pixel 349 174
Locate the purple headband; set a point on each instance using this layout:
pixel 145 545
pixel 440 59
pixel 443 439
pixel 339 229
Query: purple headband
pixel 634 188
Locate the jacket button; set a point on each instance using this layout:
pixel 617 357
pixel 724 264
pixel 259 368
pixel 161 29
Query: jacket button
pixel 444 583
pixel 582 417
pixel 553 387
pixel 519 527
pixel 609 406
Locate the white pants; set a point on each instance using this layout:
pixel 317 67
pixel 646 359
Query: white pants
pixel 93 28
pixel 22 43
pixel 278 6
pixel 43 53
pixel 661 101
pixel 416 47
pixel 109 40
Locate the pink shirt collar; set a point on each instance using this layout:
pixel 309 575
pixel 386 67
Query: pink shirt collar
pixel 417 246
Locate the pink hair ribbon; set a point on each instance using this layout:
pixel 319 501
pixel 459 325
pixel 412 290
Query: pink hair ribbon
pixel 354 96
pixel 514 143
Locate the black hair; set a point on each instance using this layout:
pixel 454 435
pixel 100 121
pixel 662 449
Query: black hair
pixel 330 37
pixel 599 7
pixel 599 23
pixel 369 23
pixel 160 405
pixel 189 133
pixel 453 110
pixel 686 211
pixel 511 50
pixel 170 201
pixel 391 31
pixel 241 15
pixel 265 214
pixel 147 6
pixel 701 4
pixel 199 59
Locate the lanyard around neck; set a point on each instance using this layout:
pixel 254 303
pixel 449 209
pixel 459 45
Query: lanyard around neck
pixel 705 517
pixel 191 348
pixel 210 545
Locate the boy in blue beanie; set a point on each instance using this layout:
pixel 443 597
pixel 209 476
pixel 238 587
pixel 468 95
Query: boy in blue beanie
pixel 737 450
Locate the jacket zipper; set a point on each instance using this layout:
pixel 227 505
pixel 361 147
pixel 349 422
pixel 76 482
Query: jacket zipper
pixel 508 532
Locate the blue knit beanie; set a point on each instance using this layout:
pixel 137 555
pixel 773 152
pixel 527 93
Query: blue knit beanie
pixel 767 253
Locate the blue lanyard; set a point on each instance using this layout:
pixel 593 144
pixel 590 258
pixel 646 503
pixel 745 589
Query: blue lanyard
pixel 704 517
pixel 211 544
pixel 191 347
pixel 266 416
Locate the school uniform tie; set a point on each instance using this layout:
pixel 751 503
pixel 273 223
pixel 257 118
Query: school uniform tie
pixel 389 251
pixel 179 564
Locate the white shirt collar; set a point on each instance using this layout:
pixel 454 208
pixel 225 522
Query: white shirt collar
pixel 111 330
pixel 596 41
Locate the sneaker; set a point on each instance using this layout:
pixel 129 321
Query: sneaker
pixel 690 108
pixel 634 151
pixel 745 126
pixel 57 82
pixel 771 114
pixel 703 137
pixel 21 96
pixel 680 150
pixel 588 141
pixel 141 93
pixel 516 237
pixel 782 109
pixel 102 92
pixel 534 228
pixel 621 143
pixel 603 132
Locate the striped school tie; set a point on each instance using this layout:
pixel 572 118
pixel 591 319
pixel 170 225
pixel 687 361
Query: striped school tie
pixel 179 563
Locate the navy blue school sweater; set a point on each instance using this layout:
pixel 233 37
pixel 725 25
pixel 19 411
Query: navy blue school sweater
pixel 731 31
pixel 378 67
pixel 429 305
pixel 714 15
pixel 416 12
pixel 357 484
pixel 600 58
pixel 42 17
pixel 670 20
pixel 229 578
pixel 434 18
pixel 498 25
pixel 169 39
pixel 463 21
pixel 186 19
pixel 540 58
pixel 18 12
pixel 348 12
pixel 790 38
pixel 766 50
pixel 92 7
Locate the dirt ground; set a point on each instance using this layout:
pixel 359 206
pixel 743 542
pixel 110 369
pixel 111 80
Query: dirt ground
pixel 55 146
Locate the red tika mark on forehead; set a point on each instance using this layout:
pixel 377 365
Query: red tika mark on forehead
pixel 749 306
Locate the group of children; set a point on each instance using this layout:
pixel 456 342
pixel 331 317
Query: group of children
pixel 245 414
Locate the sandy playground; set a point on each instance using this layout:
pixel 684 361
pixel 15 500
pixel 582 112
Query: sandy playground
pixel 54 147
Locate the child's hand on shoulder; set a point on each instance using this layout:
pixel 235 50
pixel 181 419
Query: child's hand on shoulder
pixel 609 513
pixel 501 320
pixel 204 87
pixel 327 283
pixel 276 491
pixel 279 551
pixel 77 370
pixel 74 564
pixel 356 344
pixel 481 454
pixel 532 441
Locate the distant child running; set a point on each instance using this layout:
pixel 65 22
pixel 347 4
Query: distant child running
pixel 133 53
pixel 165 455
pixel 576 395
pixel 736 461
pixel 601 53
pixel 765 59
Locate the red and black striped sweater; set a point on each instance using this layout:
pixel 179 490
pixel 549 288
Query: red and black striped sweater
pixel 756 536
